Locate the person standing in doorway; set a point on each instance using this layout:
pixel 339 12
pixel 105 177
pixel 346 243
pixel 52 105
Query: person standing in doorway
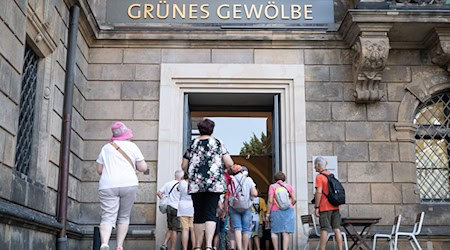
pixel 329 215
pixel 117 164
pixel 205 160
pixel 171 189
pixel 281 221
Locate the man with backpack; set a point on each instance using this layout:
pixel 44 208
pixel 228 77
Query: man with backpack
pixel 329 215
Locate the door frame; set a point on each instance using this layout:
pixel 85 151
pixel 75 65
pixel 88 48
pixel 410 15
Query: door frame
pixel 287 80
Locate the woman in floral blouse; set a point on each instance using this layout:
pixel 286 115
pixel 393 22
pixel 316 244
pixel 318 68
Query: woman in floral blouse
pixel 205 161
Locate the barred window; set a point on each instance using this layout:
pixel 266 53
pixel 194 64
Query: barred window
pixel 432 148
pixel 26 110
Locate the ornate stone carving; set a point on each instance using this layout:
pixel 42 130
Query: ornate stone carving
pixel 370 58
pixel 440 54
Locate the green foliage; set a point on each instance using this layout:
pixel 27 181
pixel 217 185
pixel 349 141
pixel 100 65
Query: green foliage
pixel 257 146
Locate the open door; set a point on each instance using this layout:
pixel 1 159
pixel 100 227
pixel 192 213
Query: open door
pixel 187 123
pixel 276 135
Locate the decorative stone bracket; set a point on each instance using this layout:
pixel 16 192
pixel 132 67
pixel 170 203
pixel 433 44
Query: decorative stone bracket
pixel 440 49
pixel 371 54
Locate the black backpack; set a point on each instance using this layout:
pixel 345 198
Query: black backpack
pixel 336 194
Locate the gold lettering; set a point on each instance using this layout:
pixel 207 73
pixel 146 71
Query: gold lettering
pixel 181 12
pixel 249 12
pixel 237 11
pixel 267 13
pixel 159 8
pixel 296 12
pixel 148 8
pixel 130 14
pixel 204 9
pixel 284 17
pixel 192 11
pixel 307 12
pixel 219 9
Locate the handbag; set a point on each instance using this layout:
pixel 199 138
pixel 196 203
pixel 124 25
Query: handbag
pixel 164 200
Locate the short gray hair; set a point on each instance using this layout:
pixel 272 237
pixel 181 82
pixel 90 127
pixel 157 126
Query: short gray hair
pixel 179 174
pixel 321 161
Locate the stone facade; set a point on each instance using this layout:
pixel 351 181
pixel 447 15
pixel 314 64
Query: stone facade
pixel 118 77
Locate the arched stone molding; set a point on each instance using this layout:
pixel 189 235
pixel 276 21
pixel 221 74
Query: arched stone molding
pixel 417 93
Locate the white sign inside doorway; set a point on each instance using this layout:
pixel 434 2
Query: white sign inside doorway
pixel 332 167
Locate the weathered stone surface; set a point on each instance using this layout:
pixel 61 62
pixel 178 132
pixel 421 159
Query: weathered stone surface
pixel 341 73
pixel 382 111
pixel 317 73
pixel 404 57
pixel 147 110
pixel 324 91
pixel 5 180
pixel 320 131
pixel 15 19
pixel 108 110
pixel 396 74
pixel 369 172
pixel 357 193
pixel 232 56
pixel 10 114
pixel 36 196
pixel 351 151
pixel 142 56
pixel 147 72
pixel 404 172
pixel 101 130
pixel 105 55
pixel 186 56
pixel 328 56
pixel 58 101
pixel 92 149
pixel 89 191
pixel 348 111
pixel 365 131
pixel 113 72
pixel 10 150
pixel 318 111
pixel 2 143
pixel 144 213
pixel 318 148
pixel 407 151
pixel 383 151
pixel 147 192
pixel 434 215
pixel 149 149
pixel 140 91
pixel 102 90
pixel 74 189
pixel 10 47
pixel 396 91
pixel 385 212
pixel 386 193
pixel 278 56
pixel 410 193
pixel 349 90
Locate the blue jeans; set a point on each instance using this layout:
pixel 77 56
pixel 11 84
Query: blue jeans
pixel 241 220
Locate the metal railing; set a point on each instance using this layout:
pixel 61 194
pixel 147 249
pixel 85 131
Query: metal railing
pixel 26 111
pixel 432 148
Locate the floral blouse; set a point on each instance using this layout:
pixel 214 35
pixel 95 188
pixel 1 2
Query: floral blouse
pixel 206 167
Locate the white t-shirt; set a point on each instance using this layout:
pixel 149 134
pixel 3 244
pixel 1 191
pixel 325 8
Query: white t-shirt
pixel 185 206
pixel 117 171
pixel 255 213
pixel 174 197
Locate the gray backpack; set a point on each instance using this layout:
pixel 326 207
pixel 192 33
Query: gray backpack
pixel 239 200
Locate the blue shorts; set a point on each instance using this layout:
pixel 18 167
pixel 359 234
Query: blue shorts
pixel 241 220
pixel 282 221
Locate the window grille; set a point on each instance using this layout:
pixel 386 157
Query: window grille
pixel 26 111
pixel 432 148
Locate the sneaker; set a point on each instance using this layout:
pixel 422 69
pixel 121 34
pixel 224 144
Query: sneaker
pixel 104 247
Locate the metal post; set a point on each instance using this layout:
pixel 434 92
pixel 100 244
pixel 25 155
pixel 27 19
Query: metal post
pixel 64 155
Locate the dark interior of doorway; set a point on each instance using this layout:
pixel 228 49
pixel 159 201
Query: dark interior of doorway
pixel 245 105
